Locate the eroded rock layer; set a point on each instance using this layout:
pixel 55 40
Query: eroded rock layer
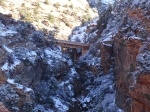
pixel 132 56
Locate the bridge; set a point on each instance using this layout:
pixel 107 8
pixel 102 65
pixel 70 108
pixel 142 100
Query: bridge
pixel 73 45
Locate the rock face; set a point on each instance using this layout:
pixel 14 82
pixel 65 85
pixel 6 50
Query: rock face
pixel 125 42
pixel 3 108
pixel 125 63
pixel 132 81
pixel 24 71
pixel 132 58
pixel 2 77
pixel 106 55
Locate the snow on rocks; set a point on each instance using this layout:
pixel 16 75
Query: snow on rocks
pixel 108 1
pixel 82 33
pixel 73 71
pixel 58 104
pixel 7 66
pixel 32 55
pixel 133 37
pixel 86 99
pixel 17 56
pixel 19 86
pixel 7 49
pixel 90 59
pixel 23 53
pixel 40 108
pixel 56 56
pixel 101 96
pixel 6 32
pixel 79 35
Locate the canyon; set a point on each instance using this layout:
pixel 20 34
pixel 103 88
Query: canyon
pixel 112 76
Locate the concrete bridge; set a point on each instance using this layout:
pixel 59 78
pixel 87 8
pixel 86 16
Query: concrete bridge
pixel 73 45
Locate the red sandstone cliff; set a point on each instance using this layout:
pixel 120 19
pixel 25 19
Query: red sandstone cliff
pixel 132 58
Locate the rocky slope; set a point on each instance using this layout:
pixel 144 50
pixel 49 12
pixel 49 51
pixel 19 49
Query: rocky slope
pixel 36 76
pixel 27 64
pixel 56 17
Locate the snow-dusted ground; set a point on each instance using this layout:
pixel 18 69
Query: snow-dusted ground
pixel 7 67
pixel 83 33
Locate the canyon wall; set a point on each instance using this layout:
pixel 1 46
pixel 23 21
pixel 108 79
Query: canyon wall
pixel 132 56
pixel 126 42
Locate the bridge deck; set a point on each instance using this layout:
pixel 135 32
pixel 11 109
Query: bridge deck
pixel 70 44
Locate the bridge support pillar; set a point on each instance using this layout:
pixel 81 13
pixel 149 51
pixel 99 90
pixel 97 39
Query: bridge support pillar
pixel 83 51
pixel 75 55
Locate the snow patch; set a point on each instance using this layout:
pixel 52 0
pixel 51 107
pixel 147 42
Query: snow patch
pixel 11 81
pixel 58 104
pixel 108 1
pixel 81 34
pixel 19 86
pixel 73 71
pixel 69 87
pixel 7 49
pixel 31 55
pixel 133 37
pixel 87 99
pixel 6 66
pixel 107 39
pixel 55 55
pixel 138 38
pixel 73 99
pixel 135 2
pixel 5 32
pixel 93 61
pixel 63 83
pixel 119 110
